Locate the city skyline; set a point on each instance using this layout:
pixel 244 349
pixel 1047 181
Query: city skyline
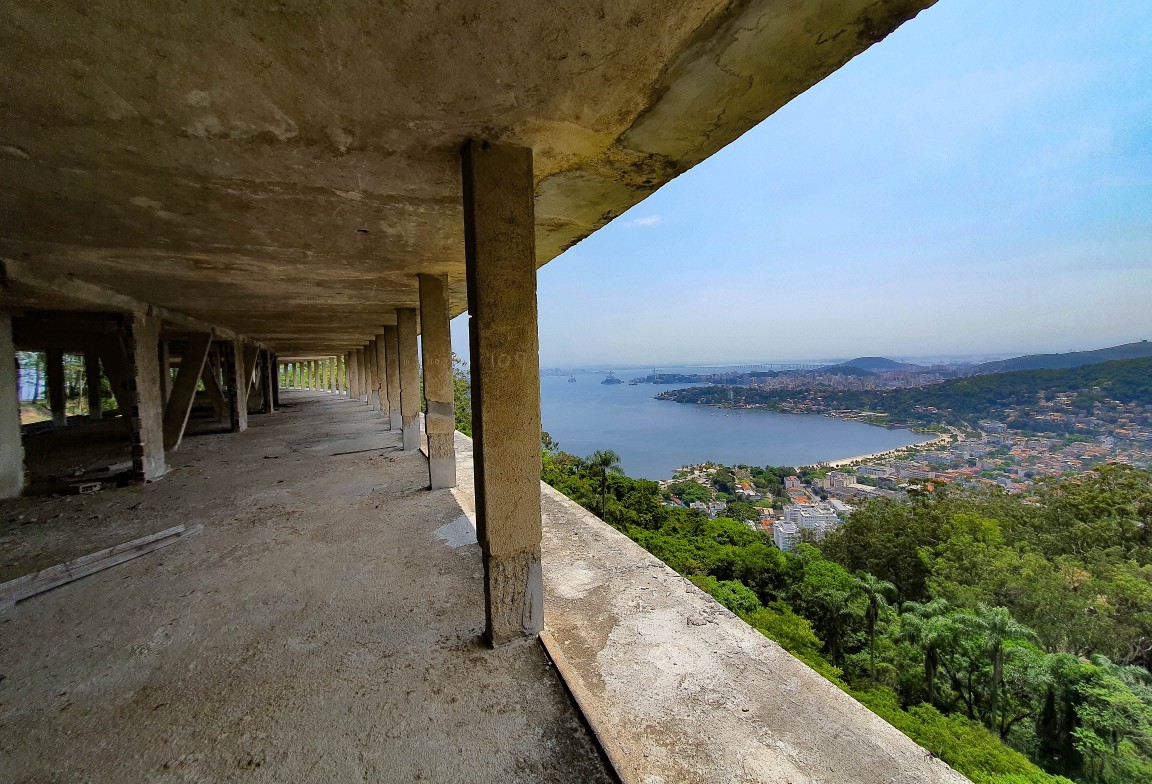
pixel 976 184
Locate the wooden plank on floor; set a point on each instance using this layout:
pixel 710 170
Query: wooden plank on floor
pixel 54 576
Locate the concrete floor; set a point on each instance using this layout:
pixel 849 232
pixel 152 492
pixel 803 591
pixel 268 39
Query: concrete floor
pixel 324 626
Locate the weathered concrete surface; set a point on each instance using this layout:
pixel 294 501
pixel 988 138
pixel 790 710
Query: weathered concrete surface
pixel 324 626
pixel 439 402
pixel 677 688
pixel 141 338
pixel 406 352
pixel 505 364
pixel 11 446
pixel 262 189
pixel 680 688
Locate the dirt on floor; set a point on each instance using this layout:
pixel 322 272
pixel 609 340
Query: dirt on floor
pixel 321 627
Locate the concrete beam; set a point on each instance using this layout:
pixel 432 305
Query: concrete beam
pixel 141 339
pixel 11 445
pixel 409 376
pixel 184 389
pixel 500 255
pixel 439 408
pixel 392 377
pixel 72 289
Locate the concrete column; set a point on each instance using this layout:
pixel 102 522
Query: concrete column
pixel 334 366
pixel 314 367
pixel 436 352
pixel 382 374
pixel 409 376
pixel 373 375
pixel 274 362
pixel 500 255
pixel 353 376
pixel 267 382
pixel 54 358
pixel 92 384
pixel 11 445
pixel 238 382
pixel 362 375
pixel 141 337
pixel 392 378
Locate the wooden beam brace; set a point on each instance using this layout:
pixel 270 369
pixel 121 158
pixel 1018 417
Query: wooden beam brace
pixel 210 375
pixel 251 354
pixel 184 389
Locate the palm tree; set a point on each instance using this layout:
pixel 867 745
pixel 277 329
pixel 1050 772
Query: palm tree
pixel 998 627
pixel 601 464
pixel 876 591
pixel 929 626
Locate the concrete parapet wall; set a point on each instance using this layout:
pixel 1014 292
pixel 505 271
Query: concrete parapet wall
pixel 677 688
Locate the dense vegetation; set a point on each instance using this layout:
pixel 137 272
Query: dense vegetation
pixel 1010 637
pixel 958 401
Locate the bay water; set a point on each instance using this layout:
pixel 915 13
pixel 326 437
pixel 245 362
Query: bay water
pixel 655 437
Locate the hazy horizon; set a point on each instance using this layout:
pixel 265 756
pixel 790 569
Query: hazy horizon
pixel 978 183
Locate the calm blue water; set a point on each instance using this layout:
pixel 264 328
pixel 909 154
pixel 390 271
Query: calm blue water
pixel 655 437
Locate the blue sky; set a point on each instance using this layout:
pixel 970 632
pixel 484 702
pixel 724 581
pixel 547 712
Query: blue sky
pixel 980 182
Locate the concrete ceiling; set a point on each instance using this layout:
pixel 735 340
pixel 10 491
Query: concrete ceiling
pixel 284 170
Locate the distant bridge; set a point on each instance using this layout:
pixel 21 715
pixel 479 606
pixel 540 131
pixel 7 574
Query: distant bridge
pixel 761 366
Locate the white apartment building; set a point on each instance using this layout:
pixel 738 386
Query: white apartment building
pixel 786 536
pixel 817 519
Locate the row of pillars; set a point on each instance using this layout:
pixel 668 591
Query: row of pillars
pixel 384 373
pixel 156 403
pixel 499 234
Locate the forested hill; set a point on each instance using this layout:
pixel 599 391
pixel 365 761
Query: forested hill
pixel 992 396
pixel 1069 360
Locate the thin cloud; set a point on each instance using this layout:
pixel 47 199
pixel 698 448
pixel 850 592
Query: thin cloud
pixel 646 222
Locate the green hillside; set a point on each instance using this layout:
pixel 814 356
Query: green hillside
pixel 1069 360
pixel 966 399
pixel 879 363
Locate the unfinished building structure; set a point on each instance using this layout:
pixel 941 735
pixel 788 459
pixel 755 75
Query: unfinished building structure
pixel 247 205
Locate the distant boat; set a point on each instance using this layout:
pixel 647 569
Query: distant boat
pixel 611 379
pixel 571 379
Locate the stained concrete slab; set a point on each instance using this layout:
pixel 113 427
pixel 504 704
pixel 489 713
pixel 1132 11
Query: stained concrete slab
pixel 317 629
pixel 291 185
